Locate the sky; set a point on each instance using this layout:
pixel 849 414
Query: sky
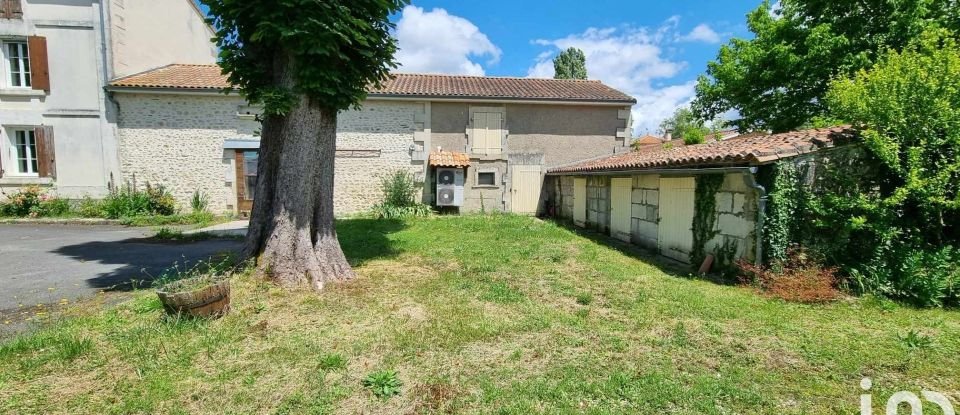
pixel 652 50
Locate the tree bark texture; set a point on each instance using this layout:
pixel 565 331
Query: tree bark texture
pixel 291 234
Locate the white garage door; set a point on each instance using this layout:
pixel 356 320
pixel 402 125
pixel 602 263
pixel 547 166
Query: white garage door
pixel 675 236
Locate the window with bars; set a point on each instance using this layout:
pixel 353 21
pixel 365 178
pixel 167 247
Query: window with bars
pixel 18 64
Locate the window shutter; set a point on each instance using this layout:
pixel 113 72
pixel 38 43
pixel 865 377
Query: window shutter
pixel 494 135
pixel 10 9
pixel 479 143
pixel 46 151
pixel 39 71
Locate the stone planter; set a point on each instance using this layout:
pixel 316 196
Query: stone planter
pixel 196 297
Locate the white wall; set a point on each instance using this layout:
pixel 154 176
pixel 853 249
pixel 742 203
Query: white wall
pixel 151 33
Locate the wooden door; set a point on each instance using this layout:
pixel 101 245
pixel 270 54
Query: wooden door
pixel 580 202
pixel 675 233
pixel 246 167
pixel 621 189
pixel 526 182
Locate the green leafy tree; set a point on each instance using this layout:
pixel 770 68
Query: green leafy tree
pixel 570 64
pixel 907 110
pixel 303 60
pixel 777 80
pixel 686 125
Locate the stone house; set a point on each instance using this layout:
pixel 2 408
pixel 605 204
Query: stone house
pixel 176 128
pixel 650 198
pixel 57 125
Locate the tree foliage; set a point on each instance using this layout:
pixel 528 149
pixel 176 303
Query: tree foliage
pixel 338 49
pixel 686 125
pixel 570 64
pixel 778 79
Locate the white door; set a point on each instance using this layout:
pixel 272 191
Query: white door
pixel 580 202
pixel 621 189
pixel 675 236
pixel 525 182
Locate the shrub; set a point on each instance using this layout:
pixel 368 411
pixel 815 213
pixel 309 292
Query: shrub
pixel 199 202
pixel 129 202
pixel 33 201
pixel 798 279
pixel 90 208
pixel 399 189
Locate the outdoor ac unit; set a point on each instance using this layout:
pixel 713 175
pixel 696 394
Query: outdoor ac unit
pixel 449 187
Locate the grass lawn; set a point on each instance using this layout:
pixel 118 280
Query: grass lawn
pixel 486 314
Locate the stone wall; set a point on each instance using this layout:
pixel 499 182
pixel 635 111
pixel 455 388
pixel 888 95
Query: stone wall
pixel 644 212
pixel 736 218
pixel 177 141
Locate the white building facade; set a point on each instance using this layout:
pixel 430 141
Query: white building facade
pixel 57 124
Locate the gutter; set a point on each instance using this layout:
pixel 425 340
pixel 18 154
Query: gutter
pixel 749 177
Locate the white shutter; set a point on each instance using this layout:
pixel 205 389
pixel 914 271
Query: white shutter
pixel 494 145
pixel 479 133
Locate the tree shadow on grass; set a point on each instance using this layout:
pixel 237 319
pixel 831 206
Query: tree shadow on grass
pixel 662 263
pixel 367 239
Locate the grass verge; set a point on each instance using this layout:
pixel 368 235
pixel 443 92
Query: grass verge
pixel 484 314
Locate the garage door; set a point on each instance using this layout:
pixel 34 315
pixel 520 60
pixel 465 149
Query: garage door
pixel 580 202
pixel 620 199
pixel 675 236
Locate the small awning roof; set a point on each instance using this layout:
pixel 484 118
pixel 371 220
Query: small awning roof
pixel 449 159
pixel 241 144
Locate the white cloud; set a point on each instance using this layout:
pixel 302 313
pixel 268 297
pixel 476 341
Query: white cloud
pixel 630 60
pixel 701 33
pixel 438 42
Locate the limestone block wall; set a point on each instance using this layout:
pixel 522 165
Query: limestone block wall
pixel 564 188
pixel 598 203
pixel 736 218
pixel 644 212
pixel 177 141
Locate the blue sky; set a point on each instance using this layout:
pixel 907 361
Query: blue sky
pixel 652 50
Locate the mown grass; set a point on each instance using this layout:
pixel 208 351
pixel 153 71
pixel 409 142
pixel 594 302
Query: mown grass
pixel 485 314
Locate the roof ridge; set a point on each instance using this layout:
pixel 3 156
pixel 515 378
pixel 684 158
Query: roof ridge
pixel 442 75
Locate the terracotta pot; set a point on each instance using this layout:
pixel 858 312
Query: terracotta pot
pixel 194 298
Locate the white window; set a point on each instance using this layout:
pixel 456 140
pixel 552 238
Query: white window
pixel 17 63
pixel 23 153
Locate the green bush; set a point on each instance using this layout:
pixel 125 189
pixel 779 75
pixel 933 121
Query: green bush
pixel 399 197
pixel 34 202
pixel 199 202
pixel 128 202
pixel 90 208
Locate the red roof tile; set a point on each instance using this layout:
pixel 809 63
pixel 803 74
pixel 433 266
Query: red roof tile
pixel 178 76
pixel 745 150
pixel 449 159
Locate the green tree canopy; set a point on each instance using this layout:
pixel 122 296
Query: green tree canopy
pixel 778 79
pixel 686 125
pixel 570 64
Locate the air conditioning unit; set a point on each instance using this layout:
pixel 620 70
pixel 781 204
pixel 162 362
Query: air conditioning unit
pixel 449 187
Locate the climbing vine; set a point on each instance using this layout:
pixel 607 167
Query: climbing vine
pixel 782 208
pixel 704 214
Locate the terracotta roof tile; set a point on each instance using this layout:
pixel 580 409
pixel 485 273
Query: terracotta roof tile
pixel 208 77
pixel 449 159
pixel 744 150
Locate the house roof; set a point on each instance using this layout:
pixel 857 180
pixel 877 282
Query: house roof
pixel 744 150
pixel 648 139
pixel 448 159
pixel 208 77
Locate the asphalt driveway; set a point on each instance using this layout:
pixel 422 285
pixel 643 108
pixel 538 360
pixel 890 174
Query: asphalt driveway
pixel 43 264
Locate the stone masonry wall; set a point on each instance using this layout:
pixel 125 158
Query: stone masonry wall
pixel 736 218
pixel 177 141
pixel 645 213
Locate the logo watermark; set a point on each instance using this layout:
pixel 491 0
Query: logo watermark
pixel 909 399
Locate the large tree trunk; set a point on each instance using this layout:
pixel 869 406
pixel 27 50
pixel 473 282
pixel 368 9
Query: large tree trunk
pixel 291 234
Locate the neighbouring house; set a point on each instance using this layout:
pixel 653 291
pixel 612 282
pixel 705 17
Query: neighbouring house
pixel 491 138
pixel 650 198
pixel 57 125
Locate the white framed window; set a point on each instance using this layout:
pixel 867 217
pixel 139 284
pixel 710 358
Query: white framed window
pixel 16 56
pixel 23 153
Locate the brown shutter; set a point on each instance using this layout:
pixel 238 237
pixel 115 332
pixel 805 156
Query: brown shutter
pixel 10 9
pixel 46 151
pixel 39 71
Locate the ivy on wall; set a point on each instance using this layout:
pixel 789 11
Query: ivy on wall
pixel 782 205
pixel 704 214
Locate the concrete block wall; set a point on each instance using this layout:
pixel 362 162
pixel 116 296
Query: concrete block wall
pixel 644 212
pixel 736 217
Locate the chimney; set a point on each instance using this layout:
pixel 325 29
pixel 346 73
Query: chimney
pixel 667 136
